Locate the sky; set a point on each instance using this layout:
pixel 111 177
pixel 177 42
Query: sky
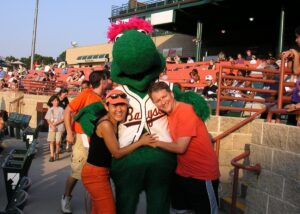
pixel 59 23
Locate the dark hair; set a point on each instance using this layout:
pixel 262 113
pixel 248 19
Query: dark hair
pixel 96 77
pixel 195 71
pixel 85 82
pixel 53 97
pixel 158 86
pixel 62 90
pixel 297 30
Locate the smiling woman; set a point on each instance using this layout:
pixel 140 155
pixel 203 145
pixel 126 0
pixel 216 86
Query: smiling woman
pixel 103 146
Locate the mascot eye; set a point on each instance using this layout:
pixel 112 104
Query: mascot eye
pixel 142 31
pixel 118 36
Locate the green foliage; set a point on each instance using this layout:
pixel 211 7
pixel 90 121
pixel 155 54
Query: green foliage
pixel 61 57
pixel 26 62
pixel 11 59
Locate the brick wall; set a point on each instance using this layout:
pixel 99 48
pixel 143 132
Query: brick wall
pixel 277 189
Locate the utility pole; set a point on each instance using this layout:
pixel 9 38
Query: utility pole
pixel 34 33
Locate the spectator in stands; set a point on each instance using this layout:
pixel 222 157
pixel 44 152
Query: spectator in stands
pixel 271 61
pixel 253 60
pixel 55 119
pixel 169 60
pixel 2 73
pixel 195 184
pixel 295 105
pixel 190 60
pixel 227 82
pixel 269 86
pixel 64 71
pixel 177 59
pixel 194 76
pixel 85 84
pixel 248 94
pixel 212 65
pixel 293 55
pixel 210 90
pixel 249 55
pixel 71 77
pixel 221 56
pixel 98 82
pixel 52 76
pixel 3 84
pixel 79 76
pixel 240 59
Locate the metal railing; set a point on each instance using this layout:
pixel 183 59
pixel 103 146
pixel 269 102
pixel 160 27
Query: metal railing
pixel 237 166
pixel 244 122
pixel 16 105
pixel 142 6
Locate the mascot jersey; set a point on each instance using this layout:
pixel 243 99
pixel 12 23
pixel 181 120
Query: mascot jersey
pixel 142 114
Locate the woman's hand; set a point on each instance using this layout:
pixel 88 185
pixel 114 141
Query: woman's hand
pixel 148 139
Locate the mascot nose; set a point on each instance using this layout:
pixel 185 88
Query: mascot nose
pixel 136 51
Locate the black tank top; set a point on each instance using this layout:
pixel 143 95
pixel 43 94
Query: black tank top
pixel 99 155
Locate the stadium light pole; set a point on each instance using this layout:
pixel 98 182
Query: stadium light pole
pixel 198 41
pixel 34 33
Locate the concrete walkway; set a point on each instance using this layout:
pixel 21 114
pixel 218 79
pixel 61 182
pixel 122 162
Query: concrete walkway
pixel 48 181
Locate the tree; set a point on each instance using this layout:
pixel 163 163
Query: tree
pixel 41 60
pixel 11 59
pixel 61 57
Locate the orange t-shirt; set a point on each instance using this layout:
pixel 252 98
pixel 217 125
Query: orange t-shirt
pixel 85 98
pixel 199 161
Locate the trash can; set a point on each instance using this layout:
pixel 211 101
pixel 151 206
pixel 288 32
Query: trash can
pixel 21 122
pixel 29 134
pixel 19 199
pixel 41 112
pixel 11 123
pixel 13 171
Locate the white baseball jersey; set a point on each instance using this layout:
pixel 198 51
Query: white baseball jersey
pixel 142 113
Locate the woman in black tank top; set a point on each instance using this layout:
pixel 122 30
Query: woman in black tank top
pixel 103 146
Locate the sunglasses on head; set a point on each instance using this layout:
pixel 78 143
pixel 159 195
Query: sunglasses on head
pixel 115 96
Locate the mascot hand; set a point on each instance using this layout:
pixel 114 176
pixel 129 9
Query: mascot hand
pixel 88 115
pixel 199 104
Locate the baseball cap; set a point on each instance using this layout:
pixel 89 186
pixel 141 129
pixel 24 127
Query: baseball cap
pixel 208 77
pixel 116 96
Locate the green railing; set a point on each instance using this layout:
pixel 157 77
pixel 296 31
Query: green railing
pixel 140 6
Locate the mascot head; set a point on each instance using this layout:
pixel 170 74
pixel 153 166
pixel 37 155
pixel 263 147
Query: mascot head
pixel 136 61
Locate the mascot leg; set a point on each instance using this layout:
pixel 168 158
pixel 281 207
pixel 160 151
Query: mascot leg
pixel 158 181
pixel 144 169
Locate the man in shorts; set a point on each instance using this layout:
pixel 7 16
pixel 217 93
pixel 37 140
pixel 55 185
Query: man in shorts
pixel 98 81
pixel 195 185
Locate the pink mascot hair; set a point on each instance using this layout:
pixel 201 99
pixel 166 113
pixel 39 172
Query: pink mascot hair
pixel 133 23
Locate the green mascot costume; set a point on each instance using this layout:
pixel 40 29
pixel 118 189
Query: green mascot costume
pixel 136 64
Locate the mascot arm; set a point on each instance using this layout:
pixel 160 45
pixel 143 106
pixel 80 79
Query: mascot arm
pixel 199 104
pixel 88 115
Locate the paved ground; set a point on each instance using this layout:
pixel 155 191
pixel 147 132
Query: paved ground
pixel 48 180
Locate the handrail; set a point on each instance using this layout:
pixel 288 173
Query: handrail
pixel 234 162
pixel 17 100
pixel 218 138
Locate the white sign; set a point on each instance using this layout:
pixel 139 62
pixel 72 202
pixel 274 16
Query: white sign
pixel 162 17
